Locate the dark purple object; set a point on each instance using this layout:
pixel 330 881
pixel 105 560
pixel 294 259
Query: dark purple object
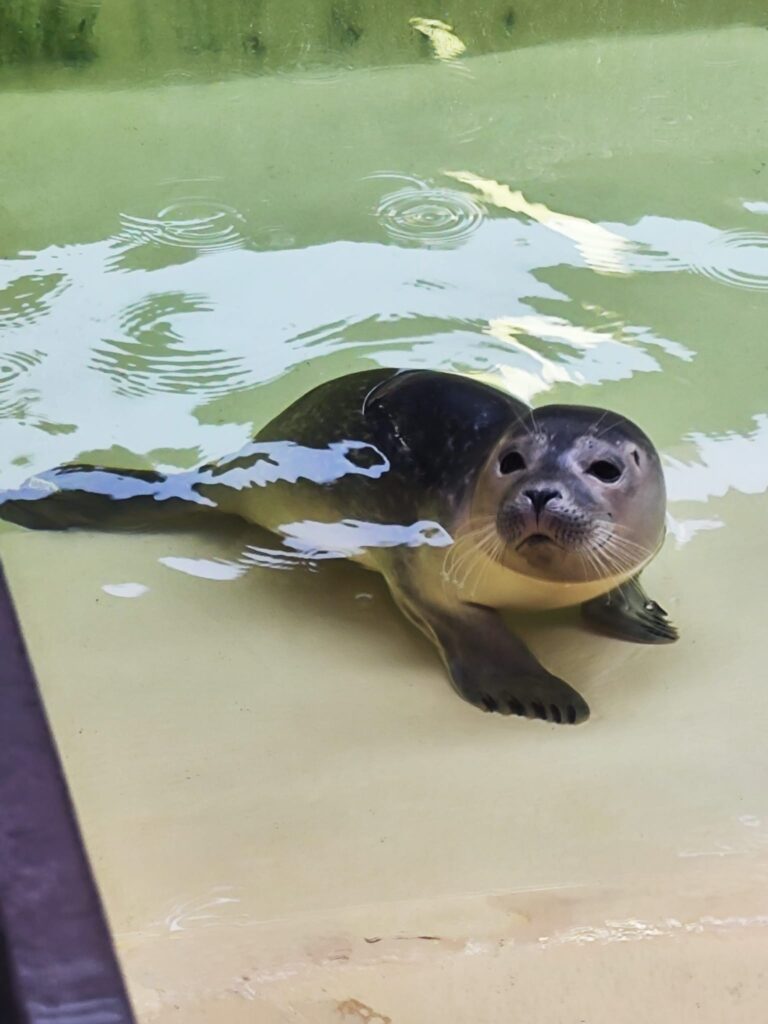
pixel 57 963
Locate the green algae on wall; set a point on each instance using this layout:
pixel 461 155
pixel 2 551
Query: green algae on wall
pixel 47 30
pixel 171 36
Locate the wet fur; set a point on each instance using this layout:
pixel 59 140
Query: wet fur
pixel 384 447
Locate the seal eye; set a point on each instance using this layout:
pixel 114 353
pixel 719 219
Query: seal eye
pixel 605 471
pixel 512 462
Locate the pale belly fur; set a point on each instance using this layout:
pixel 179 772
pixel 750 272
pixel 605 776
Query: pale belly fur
pixel 443 579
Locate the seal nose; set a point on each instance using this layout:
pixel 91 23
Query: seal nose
pixel 540 497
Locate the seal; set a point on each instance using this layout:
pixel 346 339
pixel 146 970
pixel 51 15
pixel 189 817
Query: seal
pixel 466 501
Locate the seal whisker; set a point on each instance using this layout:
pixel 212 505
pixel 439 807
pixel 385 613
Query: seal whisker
pixel 600 569
pixel 618 531
pixel 598 421
pixel 603 562
pixel 533 421
pixel 494 554
pixel 583 563
pixel 480 563
pixel 608 426
pixel 611 561
pixel 630 547
pixel 627 544
pixel 595 563
pixel 466 540
pixel 462 551
pixel 621 547
pixel 519 419
pixel 625 563
pixel 453 561
pixel 491 546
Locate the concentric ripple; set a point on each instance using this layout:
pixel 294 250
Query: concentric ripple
pixel 28 298
pixel 439 218
pixel 737 258
pixel 14 365
pixel 15 400
pixel 152 357
pixel 202 225
pixel 314 66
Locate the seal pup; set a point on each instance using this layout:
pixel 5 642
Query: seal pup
pixel 463 498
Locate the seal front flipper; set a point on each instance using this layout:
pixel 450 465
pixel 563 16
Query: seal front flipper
pixel 493 669
pixel 627 613
pixel 488 665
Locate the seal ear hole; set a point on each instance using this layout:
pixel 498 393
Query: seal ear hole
pixel 605 471
pixel 512 462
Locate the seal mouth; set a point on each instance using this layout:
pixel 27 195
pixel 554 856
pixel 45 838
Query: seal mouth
pixel 536 540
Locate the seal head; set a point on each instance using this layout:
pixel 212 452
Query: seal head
pixel 576 493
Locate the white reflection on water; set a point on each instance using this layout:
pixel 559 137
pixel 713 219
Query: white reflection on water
pixel 203 911
pixel 351 537
pixel 600 248
pixel 728 462
pixel 237 312
pixel 652 245
pixel 125 589
pixel 575 355
pixel 147 347
pixel 309 541
pixel 205 568
pixel 684 530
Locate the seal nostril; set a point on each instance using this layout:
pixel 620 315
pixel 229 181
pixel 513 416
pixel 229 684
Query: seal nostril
pixel 540 497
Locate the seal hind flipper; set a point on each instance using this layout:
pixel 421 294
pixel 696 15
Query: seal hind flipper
pixel 82 497
pixel 627 613
pixel 488 665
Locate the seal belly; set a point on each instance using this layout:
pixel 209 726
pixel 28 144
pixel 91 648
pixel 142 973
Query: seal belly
pixel 486 582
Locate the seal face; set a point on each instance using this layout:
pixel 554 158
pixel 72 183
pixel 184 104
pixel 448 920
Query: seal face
pixel 464 499
pixel 577 494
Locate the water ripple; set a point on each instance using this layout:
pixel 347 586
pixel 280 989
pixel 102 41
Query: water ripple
pixel 431 217
pixel 152 357
pixel 14 365
pixel 738 258
pixel 15 402
pixel 202 225
pixel 28 298
pixel 320 67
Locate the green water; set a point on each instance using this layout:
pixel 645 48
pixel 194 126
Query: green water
pixel 179 260
pixel 192 234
